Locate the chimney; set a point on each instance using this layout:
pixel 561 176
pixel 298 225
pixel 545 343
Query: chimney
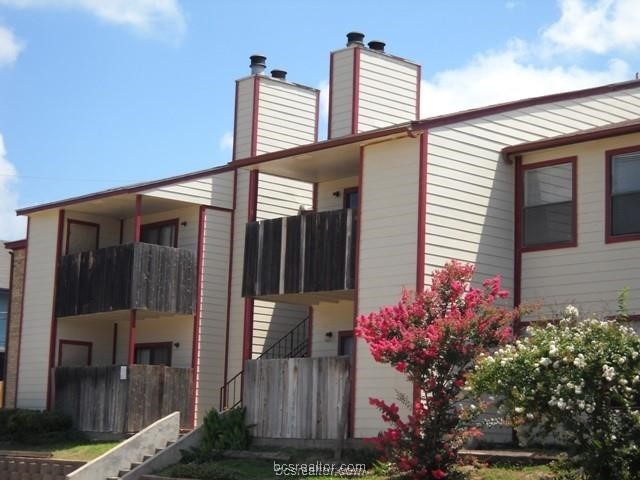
pixel 272 113
pixel 369 89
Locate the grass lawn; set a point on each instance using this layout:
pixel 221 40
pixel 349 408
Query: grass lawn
pixel 67 450
pixel 229 469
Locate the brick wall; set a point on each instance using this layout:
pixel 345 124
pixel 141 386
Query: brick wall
pixel 13 336
pixel 21 468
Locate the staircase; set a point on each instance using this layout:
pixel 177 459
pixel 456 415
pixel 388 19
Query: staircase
pixel 124 473
pixel 294 344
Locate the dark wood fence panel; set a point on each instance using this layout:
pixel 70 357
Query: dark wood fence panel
pixel 298 397
pixel 122 277
pixel 98 400
pixel 319 253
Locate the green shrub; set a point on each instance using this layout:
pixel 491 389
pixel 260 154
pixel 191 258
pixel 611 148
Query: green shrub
pixel 226 430
pixel 202 471
pixel 35 427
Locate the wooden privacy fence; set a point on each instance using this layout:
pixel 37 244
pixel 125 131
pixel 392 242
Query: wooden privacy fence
pixel 298 397
pixel 122 399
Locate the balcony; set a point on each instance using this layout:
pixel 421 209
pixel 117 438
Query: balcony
pixel 305 254
pixel 137 276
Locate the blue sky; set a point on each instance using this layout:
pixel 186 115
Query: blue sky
pixel 99 93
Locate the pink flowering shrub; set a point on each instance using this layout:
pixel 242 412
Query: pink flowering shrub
pixel 433 338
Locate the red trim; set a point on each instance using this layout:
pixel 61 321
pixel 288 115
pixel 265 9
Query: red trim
pixel 254 115
pixel 346 192
pixel 523 103
pixel 355 105
pixel 597 133
pixel 137 219
pixel 24 285
pixel 574 194
pixel 517 234
pixel 310 332
pixel 608 236
pixel 352 393
pixel 330 112
pixel 121 231
pixel 131 358
pixel 71 221
pixel 314 198
pixel 16 245
pixel 173 221
pixel 81 343
pixel 418 90
pixel 168 345
pixel 230 277
pixel 54 319
pixel 422 223
pixel 235 123
pixel 114 348
pixel 247 348
pixel 195 347
pixel 8 323
pixel 341 335
pixel 317 118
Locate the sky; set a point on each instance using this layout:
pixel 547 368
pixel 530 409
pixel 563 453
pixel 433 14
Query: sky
pixel 100 93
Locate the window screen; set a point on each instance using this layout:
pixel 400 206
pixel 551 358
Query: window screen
pixel 160 234
pixel 548 205
pixel 625 194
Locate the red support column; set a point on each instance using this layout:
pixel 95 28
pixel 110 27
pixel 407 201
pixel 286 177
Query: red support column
pixel 247 342
pixel 132 337
pixel 137 219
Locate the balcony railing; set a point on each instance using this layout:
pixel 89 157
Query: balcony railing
pixel 132 276
pixel 313 252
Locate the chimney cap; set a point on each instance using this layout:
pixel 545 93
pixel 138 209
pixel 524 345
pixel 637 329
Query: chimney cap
pixel 355 38
pixel 280 74
pixel 258 64
pixel 377 45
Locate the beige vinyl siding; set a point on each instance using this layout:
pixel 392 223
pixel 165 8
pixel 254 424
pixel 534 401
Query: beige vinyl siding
pixel 92 329
pixel 388 90
pixel 165 328
pixel 330 318
pixel 214 190
pixel 286 115
pixel 244 118
pixel 470 188
pixel 109 228
pixel 187 234
pixel 592 274
pixel 5 266
pixel 236 324
pixel 278 197
pixel 213 309
pixel 341 91
pixel 38 306
pixel 388 245
pixel 326 198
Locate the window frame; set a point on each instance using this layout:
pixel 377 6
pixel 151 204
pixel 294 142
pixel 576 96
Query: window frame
pixel 80 343
pixel 342 335
pixel 608 236
pixel 71 221
pixel 162 223
pixel 151 345
pixel 348 191
pixel 573 160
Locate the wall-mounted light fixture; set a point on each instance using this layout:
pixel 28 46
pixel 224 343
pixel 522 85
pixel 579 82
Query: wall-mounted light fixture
pixel 328 335
pixel 177 344
pixel 184 224
pixel 336 194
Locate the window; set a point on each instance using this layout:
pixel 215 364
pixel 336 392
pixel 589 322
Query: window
pixel 74 353
pixel 154 353
pixel 623 195
pixel 549 204
pixel 350 197
pixel 345 343
pixel 82 236
pixel 161 233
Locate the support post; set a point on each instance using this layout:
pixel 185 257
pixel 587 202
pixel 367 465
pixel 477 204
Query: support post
pixel 132 337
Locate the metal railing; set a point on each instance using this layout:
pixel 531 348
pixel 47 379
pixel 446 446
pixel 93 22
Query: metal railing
pixel 293 344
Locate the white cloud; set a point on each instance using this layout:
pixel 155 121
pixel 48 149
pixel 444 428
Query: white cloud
pixel 142 16
pixel 595 27
pixel 226 141
pixel 11 226
pixel 10 47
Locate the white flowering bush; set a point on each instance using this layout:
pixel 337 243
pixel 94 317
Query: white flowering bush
pixel 581 378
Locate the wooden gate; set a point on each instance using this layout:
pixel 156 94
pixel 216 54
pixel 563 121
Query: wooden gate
pixel 110 399
pixel 298 397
